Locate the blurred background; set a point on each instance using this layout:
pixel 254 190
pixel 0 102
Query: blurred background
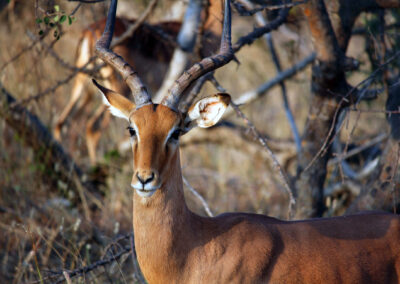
pixel 62 210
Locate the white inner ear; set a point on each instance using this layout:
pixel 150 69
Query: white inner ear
pixel 208 111
pixel 114 111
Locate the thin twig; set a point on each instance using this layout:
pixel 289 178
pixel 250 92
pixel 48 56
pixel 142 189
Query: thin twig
pixel 45 92
pixel 243 11
pixel 260 19
pixel 92 71
pixel 86 269
pixel 132 28
pixel 199 197
pixel 258 32
pixel 253 95
pixel 345 100
pixel 277 166
pixel 25 49
pixel 37 39
pixel 340 157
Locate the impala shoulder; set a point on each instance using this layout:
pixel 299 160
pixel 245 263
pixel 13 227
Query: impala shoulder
pixel 250 217
pixel 243 222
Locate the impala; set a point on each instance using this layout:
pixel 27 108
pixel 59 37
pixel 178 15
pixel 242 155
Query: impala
pixel 148 49
pixel 174 245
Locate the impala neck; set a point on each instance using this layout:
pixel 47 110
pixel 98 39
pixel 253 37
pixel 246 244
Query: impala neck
pixel 161 226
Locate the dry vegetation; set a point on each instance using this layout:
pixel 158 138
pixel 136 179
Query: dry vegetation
pixel 43 228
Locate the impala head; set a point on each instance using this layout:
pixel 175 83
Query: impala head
pixel 155 128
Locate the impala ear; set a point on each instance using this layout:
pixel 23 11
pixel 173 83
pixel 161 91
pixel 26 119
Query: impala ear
pixel 117 104
pixel 207 111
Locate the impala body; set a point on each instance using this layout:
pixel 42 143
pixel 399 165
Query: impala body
pixel 174 245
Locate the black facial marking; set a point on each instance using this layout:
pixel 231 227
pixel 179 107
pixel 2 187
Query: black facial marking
pixel 175 135
pixel 132 131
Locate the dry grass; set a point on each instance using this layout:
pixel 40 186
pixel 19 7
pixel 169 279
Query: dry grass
pixel 41 230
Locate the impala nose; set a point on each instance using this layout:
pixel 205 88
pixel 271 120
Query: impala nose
pixel 145 178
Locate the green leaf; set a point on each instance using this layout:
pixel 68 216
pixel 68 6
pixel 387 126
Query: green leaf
pixel 69 20
pixel 62 19
pixel 39 20
pixel 57 8
pixel 46 20
pixel 56 18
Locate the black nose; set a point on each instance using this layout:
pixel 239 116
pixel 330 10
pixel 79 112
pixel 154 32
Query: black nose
pixel 145 180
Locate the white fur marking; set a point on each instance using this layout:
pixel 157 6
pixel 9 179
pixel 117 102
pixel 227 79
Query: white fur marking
pixel 84 54
pixel 114 111
pixel 136 130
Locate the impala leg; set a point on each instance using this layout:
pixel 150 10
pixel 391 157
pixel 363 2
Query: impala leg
pixel 100 118
pixel 82 58
pixel 99 121
pixel 76 94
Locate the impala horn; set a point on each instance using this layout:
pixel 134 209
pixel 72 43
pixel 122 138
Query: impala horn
pixel 130 76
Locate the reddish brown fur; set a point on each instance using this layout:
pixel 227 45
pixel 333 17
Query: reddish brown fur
pixel 174 245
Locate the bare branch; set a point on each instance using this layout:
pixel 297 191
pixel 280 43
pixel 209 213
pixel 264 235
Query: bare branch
pixel 100 263
pixel 92 71
pixel 289 115
pixel 132 28
pixel 277 166
pixel 253 95
pixel 340 157
pixel 258 32
pixel 325 41
pixel 243 11
pixel 199 197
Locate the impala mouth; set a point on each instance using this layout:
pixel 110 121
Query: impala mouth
pixel 144 192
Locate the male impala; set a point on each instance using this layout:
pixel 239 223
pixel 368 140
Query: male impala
pixel 174 245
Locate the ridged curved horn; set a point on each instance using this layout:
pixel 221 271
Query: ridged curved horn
pixel 206 65
pixel 139 91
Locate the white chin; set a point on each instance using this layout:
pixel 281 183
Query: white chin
pixel 145 193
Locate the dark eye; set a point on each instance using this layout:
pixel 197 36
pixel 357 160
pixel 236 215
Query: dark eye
pixel 176 134
pixel 132 131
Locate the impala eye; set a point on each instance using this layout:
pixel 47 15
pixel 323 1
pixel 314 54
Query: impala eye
pixel 175 135
pixel 132 131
